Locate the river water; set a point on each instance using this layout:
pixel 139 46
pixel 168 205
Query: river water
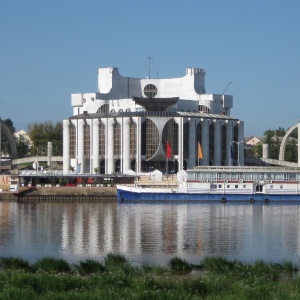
pixel 150 233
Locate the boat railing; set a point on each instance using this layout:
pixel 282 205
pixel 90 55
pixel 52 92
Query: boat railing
pixel 243 179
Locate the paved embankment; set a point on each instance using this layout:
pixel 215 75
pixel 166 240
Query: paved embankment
pixel 62 194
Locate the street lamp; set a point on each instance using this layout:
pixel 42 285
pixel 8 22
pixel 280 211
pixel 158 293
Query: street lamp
pixel 238 143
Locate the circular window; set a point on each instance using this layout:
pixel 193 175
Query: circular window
pixel 150 90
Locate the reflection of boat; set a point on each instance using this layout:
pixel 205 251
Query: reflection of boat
pixel 223 184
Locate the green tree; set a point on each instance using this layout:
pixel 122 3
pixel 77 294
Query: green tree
pixel 291 151
pixel 294 134
pixel 4 140
pixel 257 150
pixel 280 131
pixel 23 146
pixel 42 133
pixel 272 139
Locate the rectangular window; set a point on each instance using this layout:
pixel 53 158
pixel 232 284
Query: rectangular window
pixel 117 140
pixel 72 141
pixel 86 141
pixel 101 141
pixel 133 140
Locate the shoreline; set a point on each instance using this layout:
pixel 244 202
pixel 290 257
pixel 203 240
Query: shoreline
pixel 115 277
pixel 61 194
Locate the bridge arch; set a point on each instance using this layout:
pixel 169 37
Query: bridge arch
pixel 284 142
pixel 10 138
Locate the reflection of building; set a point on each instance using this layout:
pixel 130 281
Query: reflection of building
pixel 128 123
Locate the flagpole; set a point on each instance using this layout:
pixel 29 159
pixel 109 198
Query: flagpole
pixel 167 166
pixel 230 154
pixel 167 152
pixel 198 152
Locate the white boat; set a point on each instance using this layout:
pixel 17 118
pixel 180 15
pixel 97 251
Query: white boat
pixel 262 184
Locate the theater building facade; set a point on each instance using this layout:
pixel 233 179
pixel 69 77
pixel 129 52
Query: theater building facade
pixel 148 124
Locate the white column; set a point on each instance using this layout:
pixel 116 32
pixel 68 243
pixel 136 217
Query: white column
pixel 179 122
pixel 110 146
pixel 192 144
pixel 265 148
pixel 49 154
pixel 205 142
pixel 217 143
pixel 95 150
pixel 0 142
pixel 105 121
pixel 80 143
pixel 139 144
pixel 229 136
pixel 241 144
pixel 66 146
pixel 298 144
pixel 126 145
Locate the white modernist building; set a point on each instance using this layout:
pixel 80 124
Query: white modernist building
pixel 147 124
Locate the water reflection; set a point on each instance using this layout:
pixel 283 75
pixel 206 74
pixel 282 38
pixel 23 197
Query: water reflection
pixel 148 232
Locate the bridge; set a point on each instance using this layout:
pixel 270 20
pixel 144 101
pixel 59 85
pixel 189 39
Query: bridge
pixel 33 159
pixel 7 165
pixel 269 161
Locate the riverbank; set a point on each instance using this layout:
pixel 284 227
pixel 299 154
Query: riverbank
pixel 61 194
pixel 116 278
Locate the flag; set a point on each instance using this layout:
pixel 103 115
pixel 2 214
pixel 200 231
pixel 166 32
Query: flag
pixel 231 151
pixel 200 155
pixel 168 150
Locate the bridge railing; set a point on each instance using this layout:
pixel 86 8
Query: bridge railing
pixel 36 158
pixel 45 173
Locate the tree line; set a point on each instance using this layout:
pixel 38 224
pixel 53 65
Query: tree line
pixel 273 138
pixel 40 134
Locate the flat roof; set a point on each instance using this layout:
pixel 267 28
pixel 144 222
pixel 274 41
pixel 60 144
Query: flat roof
pixel 146 114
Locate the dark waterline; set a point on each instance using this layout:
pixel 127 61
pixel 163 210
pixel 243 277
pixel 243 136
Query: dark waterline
pixel 150 233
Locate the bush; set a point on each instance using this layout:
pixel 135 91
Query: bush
pixel 217 264
pixel 53 265
pixel 89 266
pixel 114 260
pixel 178 264
pixel 14 263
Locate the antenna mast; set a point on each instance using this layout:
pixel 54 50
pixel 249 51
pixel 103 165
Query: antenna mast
pixel 149 63
pixel 226 87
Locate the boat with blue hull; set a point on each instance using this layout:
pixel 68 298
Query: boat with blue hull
pixel 222 184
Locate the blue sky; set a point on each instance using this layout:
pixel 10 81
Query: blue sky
pixel 51 49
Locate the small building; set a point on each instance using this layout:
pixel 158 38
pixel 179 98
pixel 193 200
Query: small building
pixel 253 140
pixel 23 134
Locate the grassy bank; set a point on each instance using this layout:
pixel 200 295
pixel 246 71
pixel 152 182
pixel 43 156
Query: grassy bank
pixel 116 278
